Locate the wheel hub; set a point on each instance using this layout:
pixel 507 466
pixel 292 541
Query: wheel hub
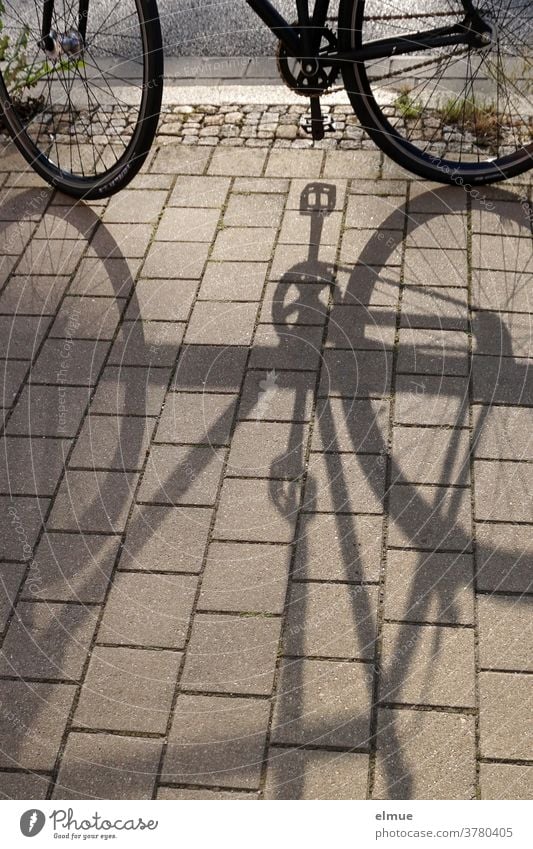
pixel 69 43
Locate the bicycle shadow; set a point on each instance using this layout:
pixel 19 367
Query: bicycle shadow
pixel 201 370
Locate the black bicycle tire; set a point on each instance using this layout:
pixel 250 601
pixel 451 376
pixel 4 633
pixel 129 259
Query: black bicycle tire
pixel 131 161
pixel 391 142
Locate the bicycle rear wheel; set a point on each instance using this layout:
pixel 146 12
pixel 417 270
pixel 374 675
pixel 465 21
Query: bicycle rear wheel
pixel 457 114
pixel 82 104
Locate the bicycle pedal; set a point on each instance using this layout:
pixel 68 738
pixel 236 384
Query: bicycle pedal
pixel 324 124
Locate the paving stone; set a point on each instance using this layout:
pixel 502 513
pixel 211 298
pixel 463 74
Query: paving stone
pixel 351 327
pixel 32 295
pixel 433 352
pixel 162 300
pixel 132 206
pixel 356 374
pixel 20 523
pixel 183 793
pixel 360 164
pixel 232 654
pixel 374 211
pixel 445 232
pixel 278 346
pixel 496 252
pixel 323 703
pixel 295 163
pixel 31 466
pixel 430 517
pixel 503 491
pixel 23 785
pixel 435 199
pixel 166 539
pixel 501 380
pixel 500 218
pixel 135 391
pixel 432 455
pixel 501 290
pixel 121 240
pixel 366 285
pixel 244 243
pixel 187 225
pixel 300 227
pixel 148 610
pixel 67 222
pixel 331 620
pixel 93 501
pixel 66 362
pixel 506 781
pixel 196 418
pixel 105 276
pixel 71 567
pixel 425 755
pixel 11 577
pixel 48 640
pixel 217 742
pixel 502 334
pixel 27 205
pixel 87 318
pixel 290 265
pixel 128 690
pixel 200 191
pixel 233 281
pixel 435 266
pixel 51 256
pixel 267 449
pixel 254 210
pixel 244 163
pixel 32 723
pixel 248 511
pixel 20 336
pixel 369 247
pixel 221 323
pixel 287 303
pixel 277 396
pixel 428 665
pixel 503 557
pixel 107 442
pixel 315 774
pixel 209 368
pixel 12 375
pixel 431 400
pixel 48 411
pixel 260 184
pixel 153 343
pixel 505 634
pixel 424 587
pixel 245 578
pixel 504 715
pixel 503 433
pixel 178 159
pixel 338 547
pixel 176 260
pixel 105 766
pixel 182 475
pixel 434 307
pixel 344 483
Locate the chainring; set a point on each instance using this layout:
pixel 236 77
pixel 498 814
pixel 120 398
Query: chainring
pixel 295 77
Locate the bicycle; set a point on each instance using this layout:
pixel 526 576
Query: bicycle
pixel 443 87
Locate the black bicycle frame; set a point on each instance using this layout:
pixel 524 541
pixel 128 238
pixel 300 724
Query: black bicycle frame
pixel 303 39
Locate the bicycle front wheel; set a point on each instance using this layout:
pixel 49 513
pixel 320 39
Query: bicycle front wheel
pixel 455 114
pixel 81 88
